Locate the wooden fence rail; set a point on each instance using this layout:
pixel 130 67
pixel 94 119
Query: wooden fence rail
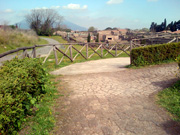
pixel 93 47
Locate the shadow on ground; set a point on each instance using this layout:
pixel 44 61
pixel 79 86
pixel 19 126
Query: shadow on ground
pixel 171 127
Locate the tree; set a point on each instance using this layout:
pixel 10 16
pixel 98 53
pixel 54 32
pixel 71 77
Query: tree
pixel 97 38
pixel 144 30
pixel 89 38
pixel 174 28
pixel 178 25
pixel 91 29
pixel 42 21
pixel 165 24
pixel 115 28
pixel 108 28
pixel 171 26
pixel 153 27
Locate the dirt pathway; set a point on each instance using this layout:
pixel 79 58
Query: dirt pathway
pixel 95 66
pixel 116 103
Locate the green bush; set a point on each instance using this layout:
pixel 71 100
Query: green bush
pixel 154 54
pixel 22 84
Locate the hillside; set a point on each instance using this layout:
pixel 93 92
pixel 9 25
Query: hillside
pixel 11 39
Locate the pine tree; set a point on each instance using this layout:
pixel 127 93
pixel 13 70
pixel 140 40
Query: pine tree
pixel 165 24
pixel 97 38
pixel 89 38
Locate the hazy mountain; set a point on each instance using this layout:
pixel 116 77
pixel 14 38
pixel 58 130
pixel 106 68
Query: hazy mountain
pixel 24 25
pixel 73 26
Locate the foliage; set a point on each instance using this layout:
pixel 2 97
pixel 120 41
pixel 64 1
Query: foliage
pixel 13 26
pixel 140 60
pixel 91 29
pixel 89 38
pixel 154 54
pixel 22 84
pixel 15 38
pixel 43 121
pixel 109 28
pixel 97 38
pixel 170 99
pixel 42 21
pixel 173 26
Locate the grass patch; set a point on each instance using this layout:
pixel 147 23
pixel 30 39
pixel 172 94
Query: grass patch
pixel 57 38
pixel 11 39
pixel 41 42
pixel 170 99
pixel 43 121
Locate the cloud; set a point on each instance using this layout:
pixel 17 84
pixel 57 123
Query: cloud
pixel 115 1
pixel 41 8
pixel 55 7
pixel 75 6
pixel 52 7
pixel 8 11
pixel 152 0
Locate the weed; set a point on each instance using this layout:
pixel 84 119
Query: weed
pixel 12 39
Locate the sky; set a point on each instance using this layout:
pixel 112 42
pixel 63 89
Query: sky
pixel 133 14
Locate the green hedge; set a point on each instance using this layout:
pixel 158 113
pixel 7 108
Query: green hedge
pixel 22 84
pixel 154 54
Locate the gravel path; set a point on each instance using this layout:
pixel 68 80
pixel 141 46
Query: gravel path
pixel 43 51
pixel 115 103
pixel 96 66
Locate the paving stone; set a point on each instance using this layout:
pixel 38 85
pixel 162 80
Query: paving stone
pixel 118 103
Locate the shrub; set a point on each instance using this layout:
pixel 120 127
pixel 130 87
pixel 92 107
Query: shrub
pixel 22 83
pixel 154 54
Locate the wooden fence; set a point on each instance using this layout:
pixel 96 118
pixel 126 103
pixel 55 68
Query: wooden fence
pixel 70 48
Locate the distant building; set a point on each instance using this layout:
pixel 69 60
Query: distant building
pixel 112 35
pixel 176 32
pixel 8 26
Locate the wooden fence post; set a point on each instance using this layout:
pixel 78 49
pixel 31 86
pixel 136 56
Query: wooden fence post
pixel 34 52
pixel 116 51
pixel 101 50
pixel 70 51
pixel 131 43
pixel 87 50
pixel 177 39
pixel 24 53
pixel 55 55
